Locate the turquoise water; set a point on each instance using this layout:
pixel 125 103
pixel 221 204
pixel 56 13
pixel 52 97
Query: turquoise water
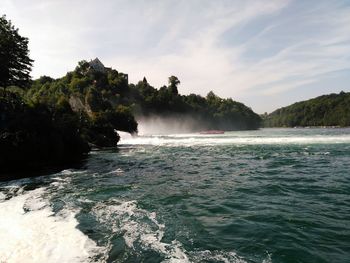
pixel 273 195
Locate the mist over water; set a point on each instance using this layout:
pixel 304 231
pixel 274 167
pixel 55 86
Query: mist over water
pixel 157 125
pixel 164 137
pixel 272 195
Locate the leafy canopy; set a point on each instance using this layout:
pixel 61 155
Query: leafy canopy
pixel 326 110
pixel 15 64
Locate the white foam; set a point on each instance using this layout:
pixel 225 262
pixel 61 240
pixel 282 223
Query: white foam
pixel 268 258
pixel 124 135
pixel 139 226
pixel 217 256
pixel 30 232
pixel 195 140
pixel 117 172
pixel 2 196
pixel 70 171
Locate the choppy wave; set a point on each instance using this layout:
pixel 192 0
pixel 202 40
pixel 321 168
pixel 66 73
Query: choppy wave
pixel 139 228
pixel 166 204
pixel 31 232
pixel 217 256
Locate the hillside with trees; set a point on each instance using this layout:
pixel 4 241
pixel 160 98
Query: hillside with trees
pixel 104 94
pixel 210 112
pixel 326 110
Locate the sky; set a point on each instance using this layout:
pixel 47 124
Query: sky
pixel 266 54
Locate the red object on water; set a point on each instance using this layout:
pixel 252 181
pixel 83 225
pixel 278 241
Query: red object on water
pixel 212 132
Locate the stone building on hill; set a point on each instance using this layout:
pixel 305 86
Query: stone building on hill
pixel 97 65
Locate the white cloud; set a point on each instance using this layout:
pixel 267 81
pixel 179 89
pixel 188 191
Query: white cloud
pixel 203 64
pixel 200 62
pixel 202 42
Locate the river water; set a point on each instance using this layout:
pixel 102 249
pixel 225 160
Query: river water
pixel 273 195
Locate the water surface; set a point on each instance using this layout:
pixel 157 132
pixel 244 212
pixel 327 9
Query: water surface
pixel 273 195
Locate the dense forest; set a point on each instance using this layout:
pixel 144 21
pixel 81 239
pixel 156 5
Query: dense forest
pixel 326 110
pixel 104 93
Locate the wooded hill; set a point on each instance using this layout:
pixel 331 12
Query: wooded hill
pixel 105 95
pixel 326 110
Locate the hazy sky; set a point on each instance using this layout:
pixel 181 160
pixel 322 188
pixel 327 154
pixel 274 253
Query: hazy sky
pixel 266 54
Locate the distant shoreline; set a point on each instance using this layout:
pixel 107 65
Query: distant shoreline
pixel 309 127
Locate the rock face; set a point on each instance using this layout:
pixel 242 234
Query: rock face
pixel 76 104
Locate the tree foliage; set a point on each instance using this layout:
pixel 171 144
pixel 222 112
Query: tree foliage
pixel 33 136
pixel 173 83
pixel 107 96
pixel 326 110
pixel 97 96
pixel 15 64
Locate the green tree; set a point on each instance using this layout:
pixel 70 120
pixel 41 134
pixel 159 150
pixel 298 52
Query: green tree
pixel 173 82
pixel 326 110
pixel 15 64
